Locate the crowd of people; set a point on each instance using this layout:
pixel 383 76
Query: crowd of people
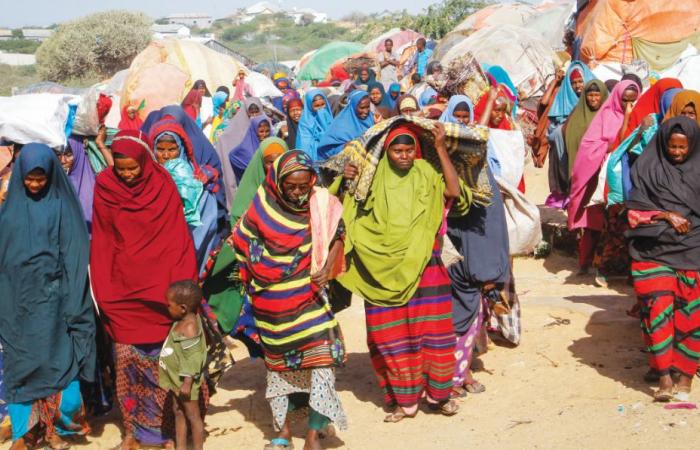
pixel 261 219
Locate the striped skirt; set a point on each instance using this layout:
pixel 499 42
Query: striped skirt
pixel 670 315
pixel 412 346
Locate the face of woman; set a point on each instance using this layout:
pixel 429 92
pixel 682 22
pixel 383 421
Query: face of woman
pixel 131 113
pixel 202 90
pixel 295 113
pixel 677 148
pixel 318 103
pixel 629 97
pixel 375 95
pixel 409 111
pixel 364 75
pixel 362 109
pixel 498 114
pixel 462 116
pixel 593 100
pixel 128 170
pixel 296 187
pixel 166 149
pixel 253 111
pixel 269 160
pixel 263 131
pixel 36 181
pixel 66 159
pixel 689 112
pixel 401 156
pixel 577 85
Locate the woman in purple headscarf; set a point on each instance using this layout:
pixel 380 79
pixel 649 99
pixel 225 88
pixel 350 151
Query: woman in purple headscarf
pixel 76 165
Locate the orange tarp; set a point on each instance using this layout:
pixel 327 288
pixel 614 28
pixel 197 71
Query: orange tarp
pixel 607 27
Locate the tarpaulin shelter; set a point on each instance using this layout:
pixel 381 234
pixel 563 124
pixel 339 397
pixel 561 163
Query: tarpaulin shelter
pixel 657 31
pixel 402 38
pixel 316 68
pixel 497 14
pixel 523 53
pixel 550 20
pixel 165 71
pixel 44 118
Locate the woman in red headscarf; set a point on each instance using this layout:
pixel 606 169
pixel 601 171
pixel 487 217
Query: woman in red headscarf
pixel 192 104
pixel 393 251
pixel 140 245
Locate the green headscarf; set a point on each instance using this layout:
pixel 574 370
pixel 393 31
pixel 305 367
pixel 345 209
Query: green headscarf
pixel 390 235
pixel 580 119
pixel 224 296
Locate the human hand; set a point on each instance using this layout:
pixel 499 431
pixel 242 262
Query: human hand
pixel 678 222
pixel 438 131
pixel 320 278
pixel 101 136
pixel 628 108
pixel 559 75
pixel 351 171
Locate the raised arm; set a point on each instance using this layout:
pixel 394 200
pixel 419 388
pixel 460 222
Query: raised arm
pixel 452 189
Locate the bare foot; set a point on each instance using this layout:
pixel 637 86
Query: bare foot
pixel 169 445
pixel 129 443
pixel 312 442
pixel 19 445
pixel 56 443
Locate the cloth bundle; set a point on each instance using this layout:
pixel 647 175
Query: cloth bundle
pixel 465 77
pixel 465 145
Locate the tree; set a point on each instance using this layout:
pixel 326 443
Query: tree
pixel 438 20
pixel 17 33
pixel 306 19
pixel 99 44
pixel 357 18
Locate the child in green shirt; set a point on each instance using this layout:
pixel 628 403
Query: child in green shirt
pixel 182 361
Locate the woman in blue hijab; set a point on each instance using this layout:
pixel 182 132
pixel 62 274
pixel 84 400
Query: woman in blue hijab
pixel 47 324
pixel 350 124
pixel 315 120
pixel 568 95
pixel 173 150
pixel 501 76
pixel 481 238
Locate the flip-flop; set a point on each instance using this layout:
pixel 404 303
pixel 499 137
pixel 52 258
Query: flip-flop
pixel 652 376
pixel 446 408
pixel 474 387
pixel 458 392
pixel 398 415
pixel 279 444
pixel 663 395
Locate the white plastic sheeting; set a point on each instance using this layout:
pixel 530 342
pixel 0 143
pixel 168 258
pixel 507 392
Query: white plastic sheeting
pixel 38 118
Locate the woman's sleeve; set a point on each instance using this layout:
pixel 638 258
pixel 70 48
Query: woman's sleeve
pixel 637 218
pixel 461 205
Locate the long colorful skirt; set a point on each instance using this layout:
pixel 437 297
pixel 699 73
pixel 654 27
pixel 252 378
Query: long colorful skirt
pixel 61 414
pixel 465 349
pixel 412 346
pixel 611 256
pixel 141 400
pixel 670 315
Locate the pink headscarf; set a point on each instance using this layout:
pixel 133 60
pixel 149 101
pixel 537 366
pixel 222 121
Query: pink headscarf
pixel 601 133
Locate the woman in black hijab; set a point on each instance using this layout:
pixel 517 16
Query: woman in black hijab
pixel 664 215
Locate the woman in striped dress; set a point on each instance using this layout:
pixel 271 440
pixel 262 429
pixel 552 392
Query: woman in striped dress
pixel 289 244
pixel 395 265
pixel 664 216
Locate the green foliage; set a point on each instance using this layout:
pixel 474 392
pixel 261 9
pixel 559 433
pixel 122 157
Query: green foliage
pixel 440 19
pixel 19 76
pixel 266 37
pixel 17 33
pixel 99 44
pixel 19 46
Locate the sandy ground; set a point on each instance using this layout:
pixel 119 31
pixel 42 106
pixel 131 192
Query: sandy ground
pixel 574 382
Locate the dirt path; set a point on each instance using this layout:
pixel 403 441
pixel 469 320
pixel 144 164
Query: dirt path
pixel 575 382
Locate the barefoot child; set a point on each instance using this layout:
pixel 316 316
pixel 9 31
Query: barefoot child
pixel 182 361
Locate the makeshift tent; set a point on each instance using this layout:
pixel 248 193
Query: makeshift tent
pixel 42 118
pixel 272 67
pixel 550 20
pixel 497 14
pixel 164 72
pixel 523 53
pixel 320 62
pixel 401 37
pixel 304 59
pixel 607 28
pixel 48 87
pixel 447 43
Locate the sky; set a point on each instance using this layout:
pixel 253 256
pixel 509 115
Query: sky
pixel 18 13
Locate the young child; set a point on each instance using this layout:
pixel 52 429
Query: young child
pixel 182 361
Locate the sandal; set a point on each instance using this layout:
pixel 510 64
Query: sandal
pixel 474 387
pixel 458 392
pixel 279 444
pixel 54 442
pixel 447 408
pixel 398 415
pixel 663 395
